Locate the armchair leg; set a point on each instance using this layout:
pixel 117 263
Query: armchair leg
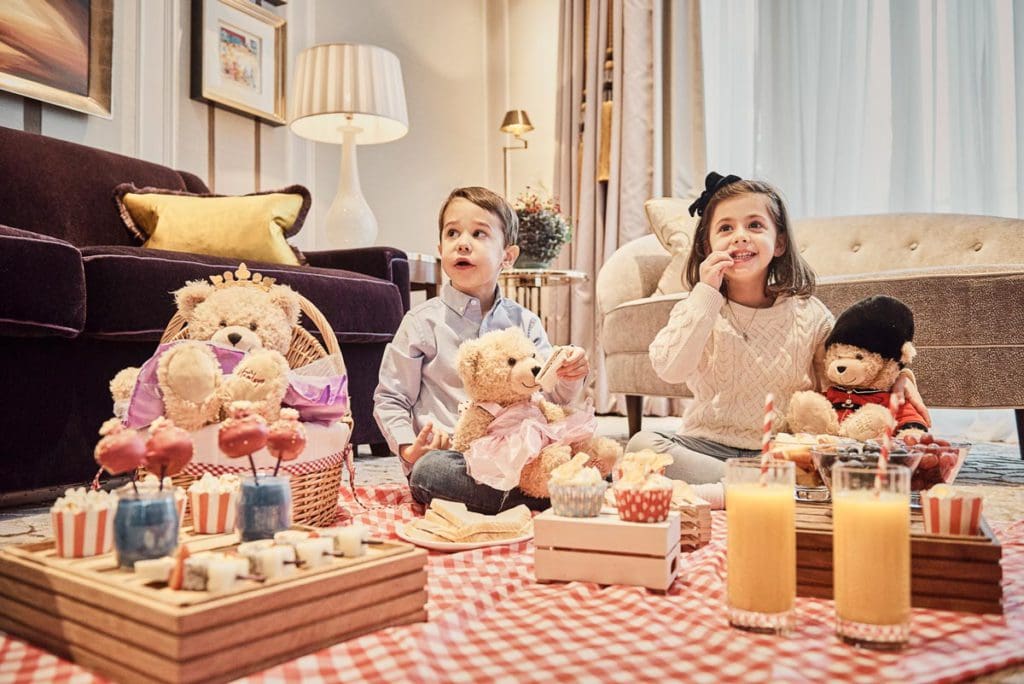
pixel 1019 415
pixel 635 413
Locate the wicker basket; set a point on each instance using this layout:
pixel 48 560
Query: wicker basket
pixel 314 492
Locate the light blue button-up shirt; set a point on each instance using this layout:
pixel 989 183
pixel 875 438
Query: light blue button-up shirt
pixel 419 381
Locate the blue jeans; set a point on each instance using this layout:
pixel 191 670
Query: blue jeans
pixel 694 460
pixel 442 474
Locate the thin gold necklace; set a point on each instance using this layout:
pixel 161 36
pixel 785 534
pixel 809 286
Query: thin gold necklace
pixel 735 321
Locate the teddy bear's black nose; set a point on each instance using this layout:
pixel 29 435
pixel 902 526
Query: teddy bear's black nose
pixel 234 338
pixel 536 370
pixel 839 369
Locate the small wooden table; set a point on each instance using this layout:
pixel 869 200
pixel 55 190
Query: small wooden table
pixel 531 287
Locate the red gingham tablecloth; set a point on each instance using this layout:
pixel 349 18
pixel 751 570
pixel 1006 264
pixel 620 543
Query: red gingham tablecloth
pixel 489 620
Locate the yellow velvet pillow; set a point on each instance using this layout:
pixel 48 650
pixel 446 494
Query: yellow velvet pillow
pixel 248 227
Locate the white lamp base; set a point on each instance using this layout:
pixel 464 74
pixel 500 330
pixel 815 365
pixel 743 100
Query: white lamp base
pixel 349 221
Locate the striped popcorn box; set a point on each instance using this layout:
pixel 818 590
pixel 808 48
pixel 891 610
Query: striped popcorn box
pixel 214 502
pixel 83 523
pixel 949 511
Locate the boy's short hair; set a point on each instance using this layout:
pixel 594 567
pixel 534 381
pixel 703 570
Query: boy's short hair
pixel 492 202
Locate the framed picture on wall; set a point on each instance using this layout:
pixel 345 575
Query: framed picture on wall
pixel 58 51
pixel 238 58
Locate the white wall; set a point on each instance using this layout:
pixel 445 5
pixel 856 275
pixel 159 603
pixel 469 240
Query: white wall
pixel 465 62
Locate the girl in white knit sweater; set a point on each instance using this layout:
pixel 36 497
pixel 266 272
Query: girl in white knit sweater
pixel 749 326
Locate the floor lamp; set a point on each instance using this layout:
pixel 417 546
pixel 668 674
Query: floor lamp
pixel 353 95
pixel 517 123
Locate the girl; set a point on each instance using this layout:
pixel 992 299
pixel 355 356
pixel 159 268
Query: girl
pixel 749 326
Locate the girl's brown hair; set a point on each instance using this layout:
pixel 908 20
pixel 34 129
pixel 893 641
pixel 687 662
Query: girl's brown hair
pixel 787 274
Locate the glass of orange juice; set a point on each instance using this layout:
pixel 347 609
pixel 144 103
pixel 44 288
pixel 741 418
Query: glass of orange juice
pixel 871 555
pixel 761 544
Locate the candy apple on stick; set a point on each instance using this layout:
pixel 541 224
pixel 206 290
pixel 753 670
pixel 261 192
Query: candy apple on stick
pixel 244 432
pixel 120 450
pixel 168 449
pixel 287 437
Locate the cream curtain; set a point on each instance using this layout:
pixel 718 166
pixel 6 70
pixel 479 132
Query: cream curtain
pixel 605 173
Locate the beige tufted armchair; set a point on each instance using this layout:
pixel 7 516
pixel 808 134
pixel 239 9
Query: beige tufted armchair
pixel 963 276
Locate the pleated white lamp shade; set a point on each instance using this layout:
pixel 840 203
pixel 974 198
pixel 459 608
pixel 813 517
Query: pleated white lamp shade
pixel 342 85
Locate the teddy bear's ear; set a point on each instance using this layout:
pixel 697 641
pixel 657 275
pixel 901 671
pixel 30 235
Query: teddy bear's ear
pixel 285 298
pixel 907 353
pixel 192 295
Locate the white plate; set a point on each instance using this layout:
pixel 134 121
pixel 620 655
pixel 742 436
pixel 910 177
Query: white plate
pixel 450 547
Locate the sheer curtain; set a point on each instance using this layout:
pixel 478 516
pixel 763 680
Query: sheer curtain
pixel 857 106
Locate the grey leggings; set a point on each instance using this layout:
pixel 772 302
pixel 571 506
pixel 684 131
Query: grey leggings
pixel 695 460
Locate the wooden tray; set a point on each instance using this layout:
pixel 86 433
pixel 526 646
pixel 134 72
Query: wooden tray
pixel 947 573
pixel 92 612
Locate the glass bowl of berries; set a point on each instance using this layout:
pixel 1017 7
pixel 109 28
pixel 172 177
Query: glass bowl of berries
pixel 941 459
pixel 861 454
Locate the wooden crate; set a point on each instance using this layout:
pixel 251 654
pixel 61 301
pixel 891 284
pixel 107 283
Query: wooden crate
pixel 102 617
pixel 947 573
pixel 694 525
pixel 606 550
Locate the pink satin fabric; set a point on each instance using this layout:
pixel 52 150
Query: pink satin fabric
pixel 516 436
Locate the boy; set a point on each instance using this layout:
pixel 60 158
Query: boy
pixel 416 402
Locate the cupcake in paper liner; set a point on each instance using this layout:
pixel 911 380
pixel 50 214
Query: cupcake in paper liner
pixel 576 490
pixel 647 500
pixel 152 483
pixel 951 511
pixel 83 523
pixel 214 503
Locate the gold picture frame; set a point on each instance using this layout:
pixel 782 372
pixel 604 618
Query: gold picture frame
pixel 238 58
pixel 78 75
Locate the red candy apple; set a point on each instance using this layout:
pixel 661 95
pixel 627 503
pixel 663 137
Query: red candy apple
pixel 243 433
pixel 168 449
pixel 121 450
pixel 287 436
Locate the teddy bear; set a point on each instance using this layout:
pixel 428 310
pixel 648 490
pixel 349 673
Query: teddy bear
pixel 509 434
pixel 249 322
pixel 869 345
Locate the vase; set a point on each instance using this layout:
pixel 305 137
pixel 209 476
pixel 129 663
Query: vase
pixel 530 261
pixel 145 526
pixel 264 507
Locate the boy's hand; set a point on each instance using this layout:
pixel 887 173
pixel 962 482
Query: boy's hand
pixel 428 439
pixel 905 389
pixel 575 366
pixel 712 269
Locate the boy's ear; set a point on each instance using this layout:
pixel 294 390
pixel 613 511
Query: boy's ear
pixel 511 254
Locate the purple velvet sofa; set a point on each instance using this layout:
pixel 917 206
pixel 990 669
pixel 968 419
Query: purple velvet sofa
pixel 79 300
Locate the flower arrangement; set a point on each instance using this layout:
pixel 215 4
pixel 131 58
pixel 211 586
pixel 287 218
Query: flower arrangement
pixel 543 229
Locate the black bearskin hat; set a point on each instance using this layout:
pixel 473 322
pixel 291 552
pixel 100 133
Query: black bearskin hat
pixel 879 324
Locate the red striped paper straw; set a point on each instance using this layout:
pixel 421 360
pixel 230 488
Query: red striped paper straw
pixel 883 456
pixel 766 433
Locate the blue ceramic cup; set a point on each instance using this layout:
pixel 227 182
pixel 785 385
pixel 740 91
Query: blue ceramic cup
pixel 265 508
pixel 145 526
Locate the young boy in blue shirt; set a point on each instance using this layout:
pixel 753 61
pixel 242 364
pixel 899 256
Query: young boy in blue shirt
pixel 419 391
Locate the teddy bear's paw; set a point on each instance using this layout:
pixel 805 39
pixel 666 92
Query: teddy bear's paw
pixel 189 415
pixel 811 412
pixel 867 422
pixel 123 384
pixel 189 372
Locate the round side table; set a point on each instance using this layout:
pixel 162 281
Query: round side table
pixel 532 287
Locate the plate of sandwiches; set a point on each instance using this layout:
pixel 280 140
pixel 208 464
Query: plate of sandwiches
pixel 450 526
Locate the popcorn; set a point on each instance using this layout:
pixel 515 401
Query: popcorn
pixel 214 503
pixel 576 472
pixel 635 466
pixel 83 522
pixel 951 511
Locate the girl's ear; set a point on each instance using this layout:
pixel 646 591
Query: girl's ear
pixel 781 243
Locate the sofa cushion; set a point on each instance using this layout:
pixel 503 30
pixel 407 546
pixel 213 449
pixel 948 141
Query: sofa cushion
pixel 250 227
pixel 42 285
pixel 672 224
pixel 129 293
pixel 60 188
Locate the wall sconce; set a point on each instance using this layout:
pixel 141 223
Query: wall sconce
pixel 517 123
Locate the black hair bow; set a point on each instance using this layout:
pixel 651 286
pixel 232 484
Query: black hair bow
pixel 712 183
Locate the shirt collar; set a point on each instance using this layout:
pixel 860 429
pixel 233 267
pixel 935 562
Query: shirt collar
pixel 460 301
